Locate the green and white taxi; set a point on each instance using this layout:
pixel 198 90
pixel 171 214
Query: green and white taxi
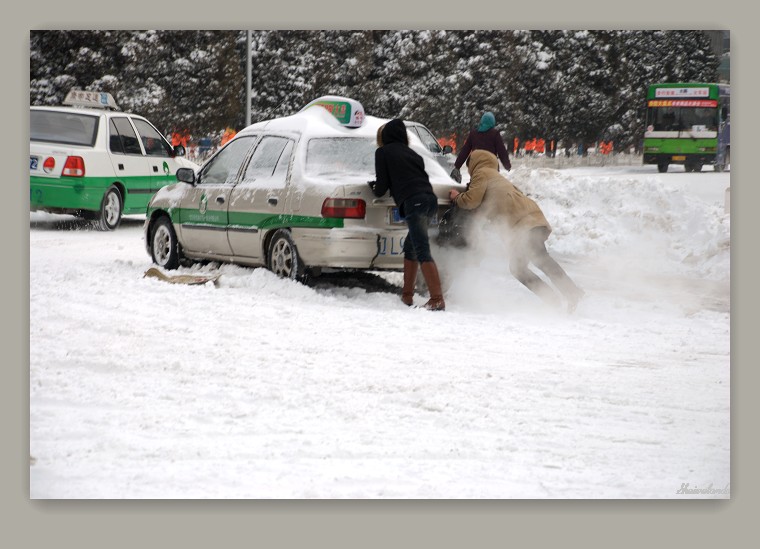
pixel 290 194
pixel 93 161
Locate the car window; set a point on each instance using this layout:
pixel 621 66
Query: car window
pixel 152 140
pixel 429 140
pixel 224 167
pixel 63 127
pixel 340 156
pixel 269 162
pixel 114 140
pixel 281 171
pixel 127 136
pixel 413 130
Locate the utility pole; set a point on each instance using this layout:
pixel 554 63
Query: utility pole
pixel 248 78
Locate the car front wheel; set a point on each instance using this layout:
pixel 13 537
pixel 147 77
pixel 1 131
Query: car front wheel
pixel 283 259
pixel 164 247
pixel 109 216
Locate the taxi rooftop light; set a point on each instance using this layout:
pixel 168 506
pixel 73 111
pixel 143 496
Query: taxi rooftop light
pixel 348 112
pixel 91 99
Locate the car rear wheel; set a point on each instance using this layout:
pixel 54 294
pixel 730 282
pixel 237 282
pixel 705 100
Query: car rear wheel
pixel 164 246
pixel 283 259
pixel 109 216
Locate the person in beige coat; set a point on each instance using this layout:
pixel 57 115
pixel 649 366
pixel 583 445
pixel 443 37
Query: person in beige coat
pixel 493 196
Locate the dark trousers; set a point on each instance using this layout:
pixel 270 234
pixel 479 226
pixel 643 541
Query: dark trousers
pixel 418 210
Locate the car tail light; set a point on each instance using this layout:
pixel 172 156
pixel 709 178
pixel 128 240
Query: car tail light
pixel 49 164
pixel 74 166
pixel 354 208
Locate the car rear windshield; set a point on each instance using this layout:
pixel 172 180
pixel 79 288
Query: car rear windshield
pixel 63 127
pixel 334 156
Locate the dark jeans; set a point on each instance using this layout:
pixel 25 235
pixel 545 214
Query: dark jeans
pixel 418 209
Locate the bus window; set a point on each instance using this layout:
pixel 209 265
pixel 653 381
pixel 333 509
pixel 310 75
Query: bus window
pixel 664 119
pixel 699 117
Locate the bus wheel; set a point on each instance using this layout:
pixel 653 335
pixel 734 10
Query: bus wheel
pixel 663 167
pixel 697 167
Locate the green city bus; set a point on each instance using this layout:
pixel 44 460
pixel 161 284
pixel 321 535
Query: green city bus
pixel 688 124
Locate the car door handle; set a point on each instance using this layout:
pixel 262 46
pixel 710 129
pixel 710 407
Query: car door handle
pixel 155 168
pixel 220 200
pixel 272 200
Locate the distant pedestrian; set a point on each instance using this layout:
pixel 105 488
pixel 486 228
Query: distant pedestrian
pixel 401 171
pixel 484 137
pixel 526 228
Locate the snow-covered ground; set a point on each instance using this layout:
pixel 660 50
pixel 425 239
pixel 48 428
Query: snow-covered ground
pixel 265 388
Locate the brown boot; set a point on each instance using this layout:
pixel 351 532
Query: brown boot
pixel 433 281
pixel 410 278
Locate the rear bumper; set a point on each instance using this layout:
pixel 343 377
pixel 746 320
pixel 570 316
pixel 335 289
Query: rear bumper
pixel 63 196
pixel 351 249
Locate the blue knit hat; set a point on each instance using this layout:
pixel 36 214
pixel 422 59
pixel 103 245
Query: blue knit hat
pixel 487 121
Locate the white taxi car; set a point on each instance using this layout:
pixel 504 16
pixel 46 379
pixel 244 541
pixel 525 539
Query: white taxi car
pixel 91 160
pixel 290 194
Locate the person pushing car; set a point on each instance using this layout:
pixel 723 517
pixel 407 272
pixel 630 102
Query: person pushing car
pixel 495 197
pixel 401 171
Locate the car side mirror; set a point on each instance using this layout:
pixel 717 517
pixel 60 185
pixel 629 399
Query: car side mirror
pixel 186 175
pixel 179 150
pixel 447 149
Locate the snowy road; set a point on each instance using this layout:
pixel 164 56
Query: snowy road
pixel 265 388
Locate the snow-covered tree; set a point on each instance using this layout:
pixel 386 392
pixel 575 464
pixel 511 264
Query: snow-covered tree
pixel 573 85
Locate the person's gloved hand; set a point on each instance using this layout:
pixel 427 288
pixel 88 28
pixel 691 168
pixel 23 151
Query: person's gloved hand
pixel 372 185
pixel 455 175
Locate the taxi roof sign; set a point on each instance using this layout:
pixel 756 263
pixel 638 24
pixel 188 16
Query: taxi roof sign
pixel 91 99
pixel 349 112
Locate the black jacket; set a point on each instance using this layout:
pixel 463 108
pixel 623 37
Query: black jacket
pixel 397 167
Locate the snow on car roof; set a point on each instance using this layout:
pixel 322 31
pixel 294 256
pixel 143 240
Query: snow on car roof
pixel 317 122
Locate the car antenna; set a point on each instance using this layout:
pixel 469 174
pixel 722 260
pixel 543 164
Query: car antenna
pixel 269 113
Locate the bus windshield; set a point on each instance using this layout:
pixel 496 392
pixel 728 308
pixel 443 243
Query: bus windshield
pixel 682 118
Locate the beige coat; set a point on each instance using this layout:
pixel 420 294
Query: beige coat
pixel 493 195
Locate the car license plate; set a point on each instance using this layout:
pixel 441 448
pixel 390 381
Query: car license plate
pixel 677 158
pixel 391 245
pixel 396 218
pixel 33 162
